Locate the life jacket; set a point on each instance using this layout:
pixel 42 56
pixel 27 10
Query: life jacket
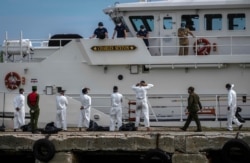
pixel 32 98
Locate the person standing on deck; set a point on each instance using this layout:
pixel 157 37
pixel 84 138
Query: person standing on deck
pixel 116 109
pixel 61 105
pixel 142 103
pixel 193 107
pixel 119 31
pixel 19 114
pixel 232 105
pixel 33 103
pixel 183 33
pixel 85 109
pixel 144 34
pixel 100 32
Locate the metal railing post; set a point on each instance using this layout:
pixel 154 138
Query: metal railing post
pixel 181 109
pixel 216 108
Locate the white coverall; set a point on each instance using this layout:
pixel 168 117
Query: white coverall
pixel 19 116
pixel 84 119
pixel 116 111
pixel 142 104
pixel 61 104
pixel 232 104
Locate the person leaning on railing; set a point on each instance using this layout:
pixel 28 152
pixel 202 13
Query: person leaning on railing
pixel 183 33
pixel 144 34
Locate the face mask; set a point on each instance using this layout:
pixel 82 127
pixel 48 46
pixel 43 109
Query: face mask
pixel 143 29
pixel 100 27
pixel 119 24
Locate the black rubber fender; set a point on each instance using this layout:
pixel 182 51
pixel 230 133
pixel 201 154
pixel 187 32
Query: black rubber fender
pixel 236 151
pixel 157 155
pixel 44 150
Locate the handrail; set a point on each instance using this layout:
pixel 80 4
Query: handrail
pixel 164 106
pixel 233 45
pixel 229 43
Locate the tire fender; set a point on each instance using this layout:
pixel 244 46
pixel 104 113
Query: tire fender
pixel 157 154
pixel 236 151
pixel 44 150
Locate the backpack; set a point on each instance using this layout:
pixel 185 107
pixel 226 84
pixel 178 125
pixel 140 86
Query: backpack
pixel 50 128
pixel 128 127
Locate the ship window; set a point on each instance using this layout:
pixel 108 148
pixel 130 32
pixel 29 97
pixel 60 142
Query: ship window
pixel 213 22
pixel 167 23
pixel 147 21
pixel 236 21
pixel 191 21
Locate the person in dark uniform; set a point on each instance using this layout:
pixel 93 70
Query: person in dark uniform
pixel 119 31
pixel 33 103
pixel 193 107
pixel 101 32
pixel 143 33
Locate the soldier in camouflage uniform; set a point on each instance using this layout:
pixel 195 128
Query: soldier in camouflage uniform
pixel 33 103
pixel 193 107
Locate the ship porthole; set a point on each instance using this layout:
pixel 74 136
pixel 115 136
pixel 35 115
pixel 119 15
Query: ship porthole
pixel 44 150
pixel 120 77
pixel 236 151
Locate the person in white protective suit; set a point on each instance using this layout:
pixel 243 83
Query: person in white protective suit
pixel 61 104
pixel 85 109
pixel 232 105
pixel 19 114
pixel 142 103
pixel 116 109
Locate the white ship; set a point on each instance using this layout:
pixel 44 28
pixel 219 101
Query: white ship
pixel 218 54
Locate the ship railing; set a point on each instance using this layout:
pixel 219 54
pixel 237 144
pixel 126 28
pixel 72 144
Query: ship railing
pixel 16 51
pixel 159 46
pixel 7 112
pixel 22 50
pixel 201 45
pixel 162 107
pixel 173 107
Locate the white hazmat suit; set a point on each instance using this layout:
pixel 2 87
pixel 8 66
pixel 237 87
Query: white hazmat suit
pixel 19 114
pixel 116 111
pixel 232 105
pixel 85 111
pixel 61 104
pixel 142 103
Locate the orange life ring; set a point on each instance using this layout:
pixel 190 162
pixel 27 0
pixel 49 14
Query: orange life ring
pixel 202 46
pixel 12 80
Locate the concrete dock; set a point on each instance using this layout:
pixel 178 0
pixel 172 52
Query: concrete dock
pixel 161 143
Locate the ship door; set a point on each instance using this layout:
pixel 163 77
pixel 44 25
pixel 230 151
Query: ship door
pixel 168 34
